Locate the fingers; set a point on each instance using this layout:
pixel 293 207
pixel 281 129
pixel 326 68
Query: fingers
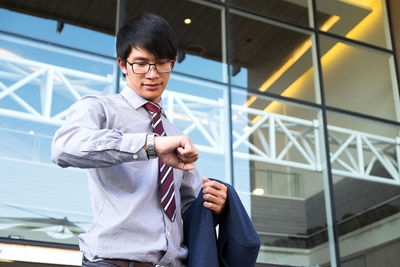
pixel 187 152
pixel 187 156
pixel 186 166
pixel 214 194
pixel 171 160
pixel 176 151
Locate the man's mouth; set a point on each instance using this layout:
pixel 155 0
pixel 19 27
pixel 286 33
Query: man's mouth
pixel 152 86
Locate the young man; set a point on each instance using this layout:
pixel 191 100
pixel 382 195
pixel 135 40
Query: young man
pixel 129 147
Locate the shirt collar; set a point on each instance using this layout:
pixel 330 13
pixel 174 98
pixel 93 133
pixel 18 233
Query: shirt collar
pixel 135 100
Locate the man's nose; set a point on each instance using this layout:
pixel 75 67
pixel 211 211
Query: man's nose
pixel 152 73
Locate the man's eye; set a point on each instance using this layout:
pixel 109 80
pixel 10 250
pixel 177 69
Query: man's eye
pixel 141 64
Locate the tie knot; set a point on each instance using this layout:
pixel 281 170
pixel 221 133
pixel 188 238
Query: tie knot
pixel 152 107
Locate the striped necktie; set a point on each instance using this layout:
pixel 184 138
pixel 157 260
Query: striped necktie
pixel 166 173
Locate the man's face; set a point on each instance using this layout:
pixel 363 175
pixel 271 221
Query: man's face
pixel 151 85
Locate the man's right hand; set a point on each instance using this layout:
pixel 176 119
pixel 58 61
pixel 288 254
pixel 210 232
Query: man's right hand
pixel 176 151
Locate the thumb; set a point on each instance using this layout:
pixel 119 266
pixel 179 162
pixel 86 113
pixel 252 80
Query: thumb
pixel 187 166
pixel 205 180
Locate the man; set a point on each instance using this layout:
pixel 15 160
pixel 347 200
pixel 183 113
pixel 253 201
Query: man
pixel 128 146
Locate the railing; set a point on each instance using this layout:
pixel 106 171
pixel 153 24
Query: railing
pixel 276 139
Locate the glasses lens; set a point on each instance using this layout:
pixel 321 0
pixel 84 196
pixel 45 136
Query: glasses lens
pixel 140 68
pixel 164 66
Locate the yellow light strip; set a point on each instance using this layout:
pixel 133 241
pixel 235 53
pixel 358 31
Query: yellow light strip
pixel 361 3
pixel 329 23
pixel 251 100
pixel 333 54
pixel 297 55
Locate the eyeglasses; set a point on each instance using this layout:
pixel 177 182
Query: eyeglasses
pixel 144 68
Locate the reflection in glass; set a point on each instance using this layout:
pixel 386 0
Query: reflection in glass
pixel 276 160
pixel 364 150
pixel 364 21
pixel 196 108
pixel 355 76
pixel 295 11
pixel 200 46
pixel 43 202
pixel 365 163
pixel 274 59
pixel 366 210
pixel 71 36
pixel 40 201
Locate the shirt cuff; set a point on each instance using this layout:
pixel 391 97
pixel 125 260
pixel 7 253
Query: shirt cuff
pixel 133 143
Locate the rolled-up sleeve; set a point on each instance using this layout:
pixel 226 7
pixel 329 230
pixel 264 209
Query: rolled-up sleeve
pixel 84 141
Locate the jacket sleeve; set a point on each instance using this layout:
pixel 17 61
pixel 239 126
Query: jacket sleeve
pixel 84 141
pixel 238 241
pixel 199 235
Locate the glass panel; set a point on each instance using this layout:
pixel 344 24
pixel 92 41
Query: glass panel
pixel 46 29
pixel 366 81
pixel 43 202
pixel 275 170
pixel 270 58
pixel 38 200
pixel 295 11
pixel 196 107
pixel 198 28
pixel 365 165
pixel 356 262
pixel 361 20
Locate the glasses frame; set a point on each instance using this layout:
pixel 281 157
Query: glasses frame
pixel 155 67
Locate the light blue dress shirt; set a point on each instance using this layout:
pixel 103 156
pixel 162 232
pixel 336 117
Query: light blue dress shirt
pixel 106 134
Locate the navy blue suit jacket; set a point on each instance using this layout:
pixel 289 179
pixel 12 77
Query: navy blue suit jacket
pixel 238 243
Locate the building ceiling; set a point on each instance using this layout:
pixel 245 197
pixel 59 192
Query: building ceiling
pixel 260 45
pixel 202 37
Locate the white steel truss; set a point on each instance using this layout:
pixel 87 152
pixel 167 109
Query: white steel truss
pixel 272 138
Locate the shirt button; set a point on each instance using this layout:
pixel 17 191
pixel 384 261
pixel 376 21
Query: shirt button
pixel 169 233
pixel 135 156
pixel 99 147
pixel 132 148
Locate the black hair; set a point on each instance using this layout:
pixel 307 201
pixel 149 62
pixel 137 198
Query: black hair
pixel 150 32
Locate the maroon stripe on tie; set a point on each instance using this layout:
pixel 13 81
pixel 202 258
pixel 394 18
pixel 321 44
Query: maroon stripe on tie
pixel 167 197
pixel 159 129
pixel 168 180
pixel 171 212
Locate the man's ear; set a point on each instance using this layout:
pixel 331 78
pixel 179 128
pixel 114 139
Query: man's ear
pixel 122 65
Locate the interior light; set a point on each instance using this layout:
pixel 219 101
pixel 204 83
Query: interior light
pixel 31 132
pixel 187 21
pixel 258 191
pixel 361 3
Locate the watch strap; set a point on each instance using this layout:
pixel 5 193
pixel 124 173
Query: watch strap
pixel 151 151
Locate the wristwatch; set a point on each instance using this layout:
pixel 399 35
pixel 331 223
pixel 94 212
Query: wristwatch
pixel 151 151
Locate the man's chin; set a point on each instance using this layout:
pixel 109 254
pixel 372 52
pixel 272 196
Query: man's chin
pixel 152 98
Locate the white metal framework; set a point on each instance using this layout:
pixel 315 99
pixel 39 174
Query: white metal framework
pixel 271 138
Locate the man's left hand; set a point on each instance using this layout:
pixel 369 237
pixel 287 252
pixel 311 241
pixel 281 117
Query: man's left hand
pixel 215 195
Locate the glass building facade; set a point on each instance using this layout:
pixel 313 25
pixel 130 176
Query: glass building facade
pixel 293 102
